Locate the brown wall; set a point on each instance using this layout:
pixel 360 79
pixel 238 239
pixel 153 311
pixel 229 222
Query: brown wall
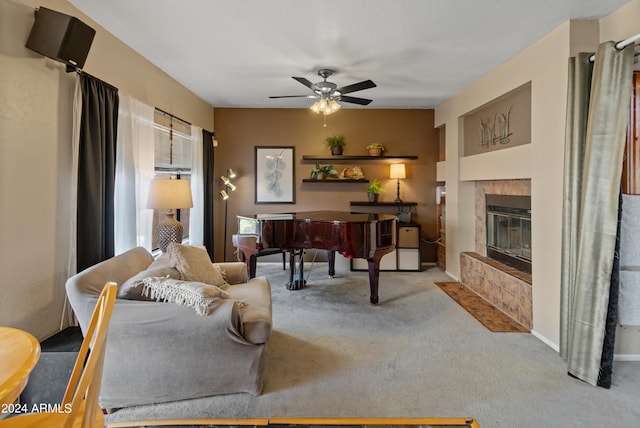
pixel 403 132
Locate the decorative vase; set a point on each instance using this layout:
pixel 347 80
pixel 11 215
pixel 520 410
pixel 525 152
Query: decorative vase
pixel 320 176
pixel 373 197
pixel 375 151
pixel 336 150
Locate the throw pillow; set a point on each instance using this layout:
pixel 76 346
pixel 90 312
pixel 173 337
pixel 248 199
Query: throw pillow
pixel 132 288
pixel 161 261
pixel 194 264
pixel 189 293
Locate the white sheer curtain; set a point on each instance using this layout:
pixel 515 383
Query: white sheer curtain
pixel 196 219
pixel 68 317
pixel 134 170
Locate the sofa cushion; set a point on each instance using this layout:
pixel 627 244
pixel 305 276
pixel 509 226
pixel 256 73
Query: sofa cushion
pixel 197 295
pixel 161 261
pixel 194 264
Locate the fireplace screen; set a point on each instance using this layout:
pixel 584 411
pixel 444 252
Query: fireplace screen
pixel 509 230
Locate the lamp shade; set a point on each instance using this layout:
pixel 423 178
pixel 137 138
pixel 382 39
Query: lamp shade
pixel 169 194
pixel 397 170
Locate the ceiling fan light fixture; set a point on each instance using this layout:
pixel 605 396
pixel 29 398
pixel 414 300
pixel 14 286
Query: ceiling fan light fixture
pixel 328 93
pixel 332 107
pixel 325 106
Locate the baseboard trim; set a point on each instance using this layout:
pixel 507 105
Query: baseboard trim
pixel 626 357
pixel 616 357
pixel 455 278
pixel 546 341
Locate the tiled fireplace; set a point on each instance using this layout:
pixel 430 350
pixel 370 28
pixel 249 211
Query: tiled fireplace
pixel 507 288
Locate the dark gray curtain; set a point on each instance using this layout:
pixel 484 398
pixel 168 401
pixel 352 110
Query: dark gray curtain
pixel 209 191
pixel 96 171
pixel 597 109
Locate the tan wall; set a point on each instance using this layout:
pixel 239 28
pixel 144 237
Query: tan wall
pixel 35 156
pixel 621 24
pixel 545 65
pixel 404 132
pixel 116 63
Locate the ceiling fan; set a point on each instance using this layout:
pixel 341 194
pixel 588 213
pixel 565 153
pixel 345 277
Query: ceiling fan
pixel 328 93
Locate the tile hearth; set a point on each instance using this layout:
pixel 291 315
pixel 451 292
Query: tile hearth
pixel 504 287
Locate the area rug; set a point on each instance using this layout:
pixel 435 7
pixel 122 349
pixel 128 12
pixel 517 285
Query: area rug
pixel 488 315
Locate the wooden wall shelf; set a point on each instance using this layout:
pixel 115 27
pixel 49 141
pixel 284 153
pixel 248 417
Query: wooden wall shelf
pixel 336 159
pixel 335 180
pixel 383 204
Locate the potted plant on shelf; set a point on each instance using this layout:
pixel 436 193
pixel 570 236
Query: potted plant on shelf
pixel 375 149
pixel 319 172
pixel 336 143
pixel 374 190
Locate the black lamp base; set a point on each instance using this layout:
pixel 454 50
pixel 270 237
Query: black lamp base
pixel 398 200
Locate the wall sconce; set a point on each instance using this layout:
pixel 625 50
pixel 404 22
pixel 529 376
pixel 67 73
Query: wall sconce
pixel 397 171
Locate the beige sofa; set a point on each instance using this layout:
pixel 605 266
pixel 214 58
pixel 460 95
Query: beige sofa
pixel 160 351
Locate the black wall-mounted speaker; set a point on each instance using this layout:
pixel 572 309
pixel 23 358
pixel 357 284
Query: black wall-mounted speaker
pixel 61 37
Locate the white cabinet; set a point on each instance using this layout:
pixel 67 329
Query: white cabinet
pixel 406 255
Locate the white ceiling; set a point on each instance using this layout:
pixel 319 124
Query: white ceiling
pixel 237 53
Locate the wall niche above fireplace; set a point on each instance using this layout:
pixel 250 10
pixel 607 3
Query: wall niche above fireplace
pixel 502 123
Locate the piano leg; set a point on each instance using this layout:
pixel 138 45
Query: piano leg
pixel 374 273
pixel 296 279
pixel 252 265
pixel 331 257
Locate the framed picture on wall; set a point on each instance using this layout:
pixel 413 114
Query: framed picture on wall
pixel 275 175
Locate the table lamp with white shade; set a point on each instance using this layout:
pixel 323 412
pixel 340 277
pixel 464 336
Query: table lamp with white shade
pixel 397 171
pixel 169 195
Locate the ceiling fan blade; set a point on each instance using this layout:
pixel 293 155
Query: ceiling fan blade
pixel 295 96
pixel 306 82
pixel 355 100
pixel 365 84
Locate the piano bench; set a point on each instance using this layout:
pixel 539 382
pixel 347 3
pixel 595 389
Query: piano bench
pixel 266 252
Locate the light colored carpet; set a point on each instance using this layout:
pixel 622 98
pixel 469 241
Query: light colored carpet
pixel 416 354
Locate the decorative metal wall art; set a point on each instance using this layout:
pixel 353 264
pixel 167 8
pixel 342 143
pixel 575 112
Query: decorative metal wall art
pixel 487 130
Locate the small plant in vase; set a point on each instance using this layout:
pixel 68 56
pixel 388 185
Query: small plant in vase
pixel 375 149
pixel 320 172
pixel 373 190
pixel 336 143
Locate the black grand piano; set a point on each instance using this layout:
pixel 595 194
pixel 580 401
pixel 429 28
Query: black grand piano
pixel 367 236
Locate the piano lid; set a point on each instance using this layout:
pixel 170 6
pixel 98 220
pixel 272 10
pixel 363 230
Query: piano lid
pixel 324 216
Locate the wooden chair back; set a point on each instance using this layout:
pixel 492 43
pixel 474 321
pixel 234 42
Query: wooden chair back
pixel 81 395
pixel 79 407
